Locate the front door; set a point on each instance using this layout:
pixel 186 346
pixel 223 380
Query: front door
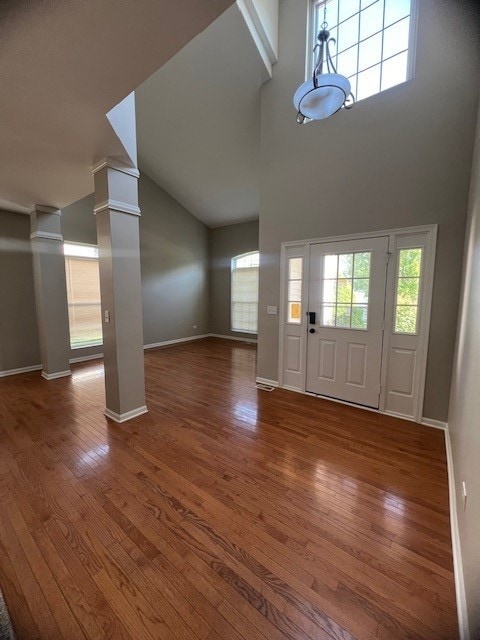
pixel 346 319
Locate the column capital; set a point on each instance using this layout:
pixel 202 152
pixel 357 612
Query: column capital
pixel 43 208
pixel 45 223
pixel 113 163
pixel 115 205
pixel 116 187
pixel 46 235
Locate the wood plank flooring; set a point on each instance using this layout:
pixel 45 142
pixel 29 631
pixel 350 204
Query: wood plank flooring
pixel 225 513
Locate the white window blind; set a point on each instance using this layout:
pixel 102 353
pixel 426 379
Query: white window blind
pixel 83 294
pixel 245 292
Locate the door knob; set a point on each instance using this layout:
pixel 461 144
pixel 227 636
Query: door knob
pixel 312 330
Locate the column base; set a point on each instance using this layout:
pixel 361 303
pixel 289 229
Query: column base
pixel 123 417
pixel 58 374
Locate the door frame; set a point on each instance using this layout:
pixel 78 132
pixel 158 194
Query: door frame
pixel 430 231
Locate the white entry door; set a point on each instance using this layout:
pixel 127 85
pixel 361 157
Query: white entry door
pixel 346 307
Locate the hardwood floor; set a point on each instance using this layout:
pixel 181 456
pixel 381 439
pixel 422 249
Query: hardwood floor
pixel 224 513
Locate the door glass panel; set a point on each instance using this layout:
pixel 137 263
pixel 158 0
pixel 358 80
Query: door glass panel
pixel 408 290
pixel 359 316
pixel 328 316
pixel 294 306
pixel 330 267
pixel 345 290
pixel 330 291
pixel 294 312
pixel 345 265
pixel 362 265
pixel 295 268
pixel 295 290
pixel 360 290
pixel 343 315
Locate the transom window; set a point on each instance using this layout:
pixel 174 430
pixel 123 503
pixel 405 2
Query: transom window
pixel 244 314
pixel 345 289
pixel 373 41
pixel 83 295
pixel 408 290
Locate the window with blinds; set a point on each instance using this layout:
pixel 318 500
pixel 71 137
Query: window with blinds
pixel 245 292
pixel 83 294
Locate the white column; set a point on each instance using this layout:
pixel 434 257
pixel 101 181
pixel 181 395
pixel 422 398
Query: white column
pixel 50 291
pixel 117 216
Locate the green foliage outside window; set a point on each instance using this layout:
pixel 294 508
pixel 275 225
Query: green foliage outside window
pixel 408 290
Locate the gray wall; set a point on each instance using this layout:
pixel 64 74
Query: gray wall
pixel 78 221
pixel 175 273
pixel 174 261
pixel 400 158
pixel 18 325
pixel 226 243
pixel 174 258
pixel 463 420
pixel 78 225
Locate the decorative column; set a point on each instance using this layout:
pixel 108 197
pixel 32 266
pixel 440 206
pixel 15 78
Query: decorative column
pixel 50 291
pixel 117 216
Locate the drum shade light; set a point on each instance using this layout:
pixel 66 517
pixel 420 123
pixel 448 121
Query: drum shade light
pixel 326 93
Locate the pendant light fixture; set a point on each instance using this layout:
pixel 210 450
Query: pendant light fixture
pixel 326 93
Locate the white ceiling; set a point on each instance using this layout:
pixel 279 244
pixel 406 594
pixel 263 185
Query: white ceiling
pixel 198 123
pixel 63 65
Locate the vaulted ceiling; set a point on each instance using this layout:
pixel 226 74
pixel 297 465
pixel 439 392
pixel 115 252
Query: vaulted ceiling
pixel 198 123
pixel 63 65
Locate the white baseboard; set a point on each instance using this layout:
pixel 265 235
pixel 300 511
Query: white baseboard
pixel 58 374
pixel 123 417
pixel 456 549
pixel 270 383
pixel 166 343
pixel 426 422
pixel 237 338
pixel 14 372
pixel 95 356
pixel 436 424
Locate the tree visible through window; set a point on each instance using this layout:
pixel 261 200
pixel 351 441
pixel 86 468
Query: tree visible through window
pixel 345 290
pixel 83 295
pixel 408 290
pixel 244 294
pixel 373 41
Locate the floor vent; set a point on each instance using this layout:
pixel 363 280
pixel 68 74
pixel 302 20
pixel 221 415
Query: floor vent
pixel 264 387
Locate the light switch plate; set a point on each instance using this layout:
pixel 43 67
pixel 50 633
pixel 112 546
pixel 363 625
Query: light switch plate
pixel 272 311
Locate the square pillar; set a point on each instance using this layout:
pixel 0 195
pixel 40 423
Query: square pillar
pixel 117 217
pixel 50 291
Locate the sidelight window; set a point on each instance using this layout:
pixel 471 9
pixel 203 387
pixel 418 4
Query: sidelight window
pixel 295 269
pixel 408 290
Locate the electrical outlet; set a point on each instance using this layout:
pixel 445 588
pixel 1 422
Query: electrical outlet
pixel 464 494
pixel 107 315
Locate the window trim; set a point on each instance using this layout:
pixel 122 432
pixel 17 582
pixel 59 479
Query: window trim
pixel 412 43
pixel 232 269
